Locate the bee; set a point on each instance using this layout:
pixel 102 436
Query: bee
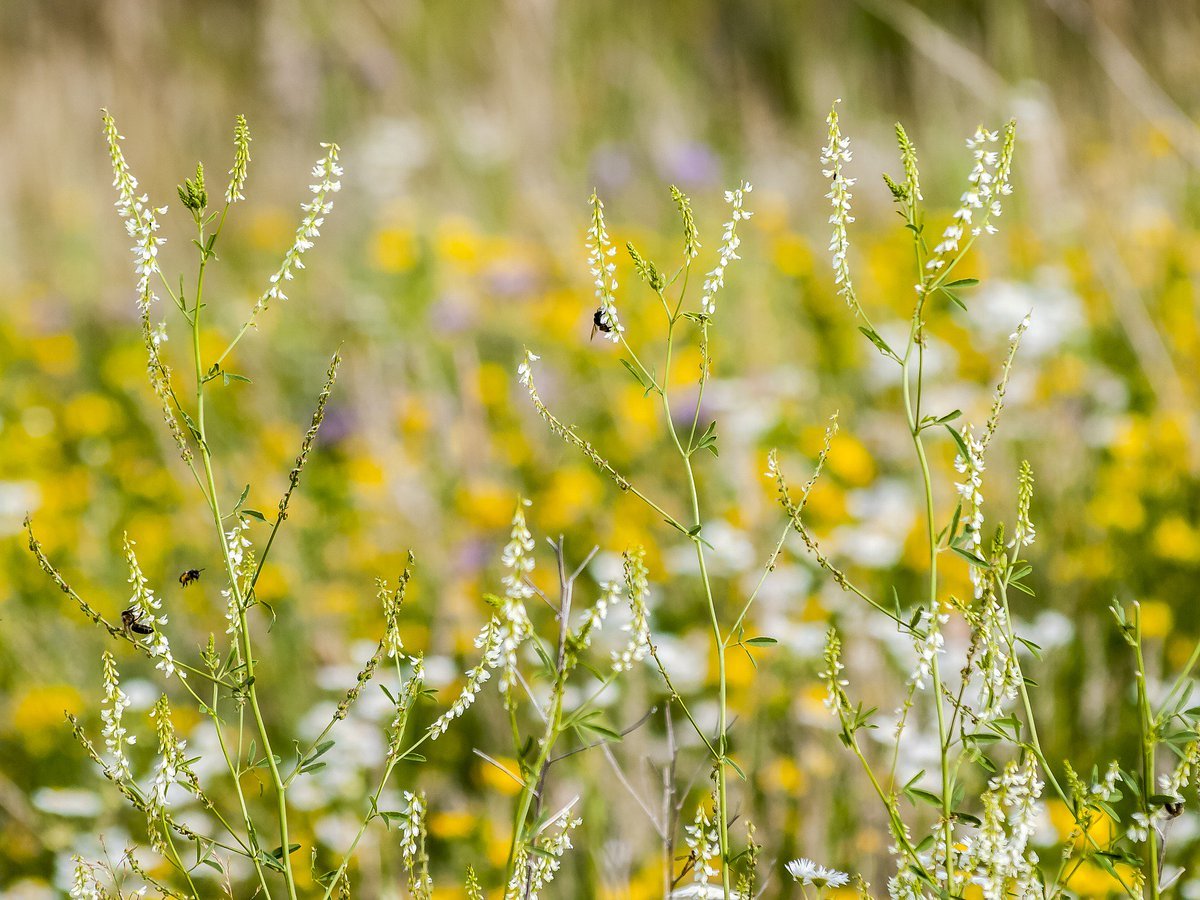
pixel 189 576
pixel 599 324
pixel 131 619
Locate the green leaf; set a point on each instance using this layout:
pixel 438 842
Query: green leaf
pixel 962 283
pixel 602 730
pixel 880 344
pixel 230 376
pixel 924 796
pixel 958 439
pixel 948 417
pixel 641 379
pixel 954 298
pixel 760 641
pixel 254 514
pixel 971 558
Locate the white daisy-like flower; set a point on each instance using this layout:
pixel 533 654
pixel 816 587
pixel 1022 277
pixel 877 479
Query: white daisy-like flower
pixel 808 872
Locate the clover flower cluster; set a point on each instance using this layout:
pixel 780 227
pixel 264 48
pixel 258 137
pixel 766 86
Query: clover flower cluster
pixel 836 700
pixel 834 156
pixel 115 735
pixel 532 873
pixel 145 606
pixel 504 632
pixel 515 627
pixel 730 241
pixel 987 183
pixel 808 872
pixel 704 841
pixel 691 236
pixel 637 590
pixel 140 218
pixel 928 642
pixel 489 641
pixel 172 766
pixel 1001 675
pixel 412 689
pixel 241 160
pixel 603 270
pixel 1024 532
pixel 971 490
pixel 327 172
pixel 85 883
pixel 241 560
pixel 392 602
pixel 999 856
pixel 412 845
pixel 594 616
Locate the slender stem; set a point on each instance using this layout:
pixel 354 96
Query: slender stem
pixel 931 536
pixel 235 589
pixel 1146 727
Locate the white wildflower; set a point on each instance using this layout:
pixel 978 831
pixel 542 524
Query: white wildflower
pixel 85 884
pixel 1024 533
pixel 730 241
pixel 141 219
pixel 808 872
pixel 971 491
pixel 1140 829
pixel 638 591
pixel 241 158
pixel 928 642
pixel 327 172
pixel 836 154
pixel 593 617
pixel 115 734
pixel 987 183
pixel 1107 786
pixel 144 608
pixel 704 841
pixel 172 765
pixel 525 369
pixel 603 271
pixel 999 856
pixel 532 872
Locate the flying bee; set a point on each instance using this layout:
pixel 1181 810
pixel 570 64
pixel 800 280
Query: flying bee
pixel 131 619
pixel 189 576
pixel 599 324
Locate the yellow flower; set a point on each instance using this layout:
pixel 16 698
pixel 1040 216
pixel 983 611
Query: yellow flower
pixel 57 354
pixel 495 382
pixel 573 491
pixel 1089 880
pixel 1156 618
pixel 792 255
pixel 394 250
pixel 452 824
pixel 37 714
pixel 850 460
pixel 488 504
pixel 501 782
pixel 459 244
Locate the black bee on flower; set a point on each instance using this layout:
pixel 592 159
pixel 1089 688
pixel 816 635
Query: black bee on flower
pixel 189 576
pixel 599 323
pixel 131 620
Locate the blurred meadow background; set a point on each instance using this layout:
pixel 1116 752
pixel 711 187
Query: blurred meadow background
pixel 472 135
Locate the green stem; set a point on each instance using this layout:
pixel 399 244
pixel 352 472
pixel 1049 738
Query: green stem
pixel 235 589
pixel 1146 727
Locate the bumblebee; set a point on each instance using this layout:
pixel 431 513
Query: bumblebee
pixel 189 576
pixel 131 619
pixel 599 324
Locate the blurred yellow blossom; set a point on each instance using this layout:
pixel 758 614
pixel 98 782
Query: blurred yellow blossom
pixel 394 250
pixel 56 354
